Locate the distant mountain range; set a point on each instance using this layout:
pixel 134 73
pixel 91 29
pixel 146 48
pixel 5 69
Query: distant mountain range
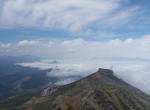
pixel 99 91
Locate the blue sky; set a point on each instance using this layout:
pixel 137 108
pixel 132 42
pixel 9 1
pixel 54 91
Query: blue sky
pixel 74 28
pixel 73 19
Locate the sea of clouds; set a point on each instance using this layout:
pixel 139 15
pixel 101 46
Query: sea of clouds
pixel 134 71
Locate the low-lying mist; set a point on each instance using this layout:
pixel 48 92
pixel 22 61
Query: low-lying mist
pixel 134 71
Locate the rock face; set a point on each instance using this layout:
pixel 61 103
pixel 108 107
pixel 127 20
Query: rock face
pixel 99 91
pixel 49 91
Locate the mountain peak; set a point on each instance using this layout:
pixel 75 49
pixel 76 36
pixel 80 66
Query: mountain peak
pixel 99 91
pixel 105 71
pixel 101 73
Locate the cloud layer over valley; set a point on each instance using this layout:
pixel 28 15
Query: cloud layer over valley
pixel 134 71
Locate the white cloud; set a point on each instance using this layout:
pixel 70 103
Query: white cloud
pixel 65 81
pixel 39 65
pixel 80 48
pixel 7 45
pixel 75 42
pixel 25 43
pixel 133 71
pixel 60 69
pixel 72 15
